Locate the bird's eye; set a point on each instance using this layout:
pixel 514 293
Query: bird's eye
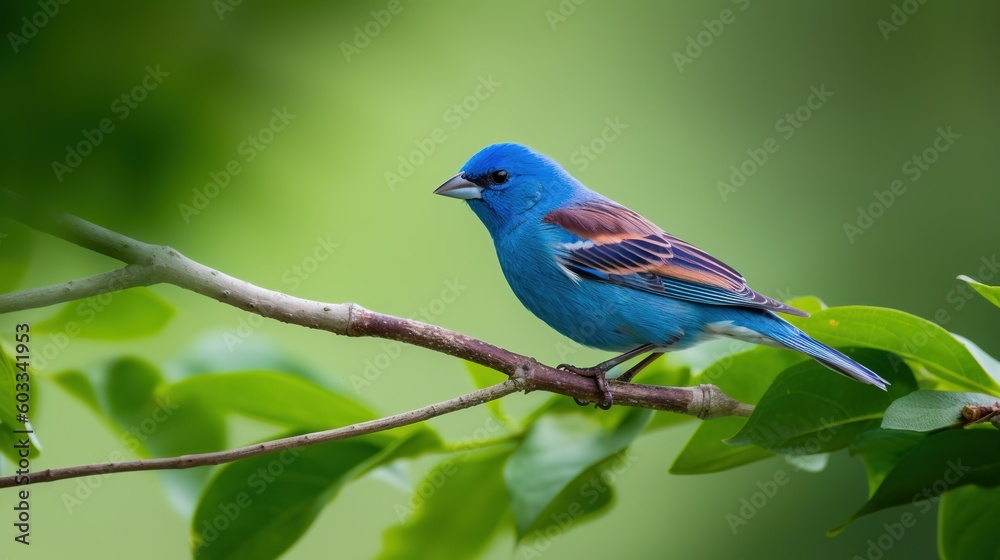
pixel 499 177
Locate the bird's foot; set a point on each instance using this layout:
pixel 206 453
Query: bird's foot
pixel 599 377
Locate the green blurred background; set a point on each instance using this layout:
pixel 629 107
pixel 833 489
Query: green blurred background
pixel 558 72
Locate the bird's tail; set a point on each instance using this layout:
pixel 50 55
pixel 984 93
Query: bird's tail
pixel 788 336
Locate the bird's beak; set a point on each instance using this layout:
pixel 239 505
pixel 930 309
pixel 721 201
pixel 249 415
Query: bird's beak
pixel 460 187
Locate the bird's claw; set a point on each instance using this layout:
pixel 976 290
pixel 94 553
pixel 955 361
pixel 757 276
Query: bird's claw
pixel 598 375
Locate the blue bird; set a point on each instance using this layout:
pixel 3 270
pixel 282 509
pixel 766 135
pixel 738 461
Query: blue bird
pixel 608 278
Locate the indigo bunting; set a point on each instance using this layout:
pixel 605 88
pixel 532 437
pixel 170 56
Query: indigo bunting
pixel 608 278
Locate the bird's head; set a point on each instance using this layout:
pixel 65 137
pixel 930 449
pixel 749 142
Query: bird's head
pixel 506 183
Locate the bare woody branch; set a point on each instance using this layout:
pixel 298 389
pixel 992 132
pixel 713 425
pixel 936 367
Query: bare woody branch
pixel 148 264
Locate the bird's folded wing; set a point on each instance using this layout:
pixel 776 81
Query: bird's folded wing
pixel 614 244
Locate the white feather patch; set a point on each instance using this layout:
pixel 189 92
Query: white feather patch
pixel 727 328
pixel 572 275
pixel 563 249
pixel 582 244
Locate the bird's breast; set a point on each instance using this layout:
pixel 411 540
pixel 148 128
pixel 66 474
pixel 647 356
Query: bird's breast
pixel 591 313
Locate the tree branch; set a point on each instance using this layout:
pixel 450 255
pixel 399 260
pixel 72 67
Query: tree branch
pixel 123 278
pixel 152 264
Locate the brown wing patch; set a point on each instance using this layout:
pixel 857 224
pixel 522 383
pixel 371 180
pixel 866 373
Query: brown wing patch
pixel 693 275
pixel 701 262
pixel 601 223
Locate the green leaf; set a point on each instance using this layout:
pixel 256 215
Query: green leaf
pixel 701 356
pixel 409 441
pixel 586 496
pixel 744 376
pixel 285 400
pixel 810 409
pixel 991 293
pixel 154 417
pixel 78 385
pixel 881 451
pixel 939 463
pixel 926 411
pixel 706 452
pixel 231 351
pixel 460 513
pixel 275 397
pixel 905 335
pixel 129 387
pixel 809 304
pixel 989 364
pixel 8 381
pixel 967 523
pixel 557 449
pixel 483 377
pixel 133 398
pixel 154 422
pixel 9 372
pixel 17 243
pixel 258 507
pixel 132 313
pixel 666 375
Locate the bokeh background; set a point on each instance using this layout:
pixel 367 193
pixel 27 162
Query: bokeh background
pixel 432 84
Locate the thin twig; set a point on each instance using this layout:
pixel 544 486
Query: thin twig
pixel 218 457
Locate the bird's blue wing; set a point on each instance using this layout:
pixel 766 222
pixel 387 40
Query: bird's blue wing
pixel 610 243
